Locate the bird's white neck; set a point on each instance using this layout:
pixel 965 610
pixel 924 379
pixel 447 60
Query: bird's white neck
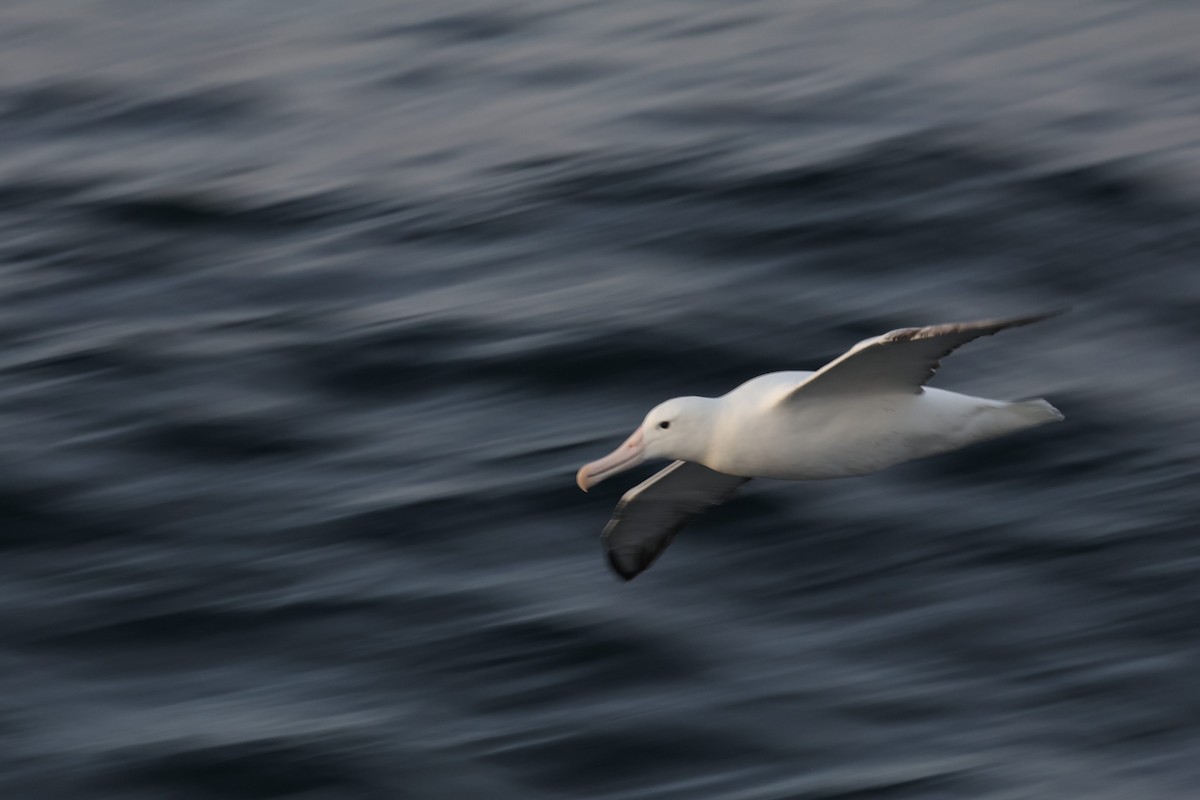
pixel 700 425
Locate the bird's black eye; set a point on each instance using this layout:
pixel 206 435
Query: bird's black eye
pixel 664 424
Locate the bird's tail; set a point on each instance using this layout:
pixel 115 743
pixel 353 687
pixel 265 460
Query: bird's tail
pixel 1033 412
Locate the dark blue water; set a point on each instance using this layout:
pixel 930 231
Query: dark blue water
pixel 312 309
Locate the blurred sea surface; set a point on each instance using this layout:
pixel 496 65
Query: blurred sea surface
pixel 313 308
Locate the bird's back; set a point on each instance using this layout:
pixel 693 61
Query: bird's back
pixel 856 434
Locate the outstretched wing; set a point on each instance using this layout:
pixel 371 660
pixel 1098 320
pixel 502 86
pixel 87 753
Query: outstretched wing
pixel 651 513
pixel 901 360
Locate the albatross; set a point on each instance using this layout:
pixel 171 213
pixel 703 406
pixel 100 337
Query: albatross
pixel 866 410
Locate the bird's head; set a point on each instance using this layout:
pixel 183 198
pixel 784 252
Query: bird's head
pixel 676 429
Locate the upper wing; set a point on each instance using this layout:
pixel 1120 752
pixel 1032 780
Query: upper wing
pixel 651 513
pixel 901 360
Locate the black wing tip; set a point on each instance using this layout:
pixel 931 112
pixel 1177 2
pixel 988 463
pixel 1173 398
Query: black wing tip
pixel 628 564
pixel 985 327
pixel 1001 323
pixel 1005 323
pixel 1025 319
pixel 1029 319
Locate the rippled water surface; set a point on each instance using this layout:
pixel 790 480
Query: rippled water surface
pixel 312 309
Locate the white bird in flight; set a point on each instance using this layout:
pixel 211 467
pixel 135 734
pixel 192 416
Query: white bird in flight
pixel 866 410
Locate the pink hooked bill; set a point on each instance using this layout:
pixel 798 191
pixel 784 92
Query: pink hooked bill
pixel 627 456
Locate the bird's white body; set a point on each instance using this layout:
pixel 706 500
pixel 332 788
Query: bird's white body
pixel 758 431
pixel 866 410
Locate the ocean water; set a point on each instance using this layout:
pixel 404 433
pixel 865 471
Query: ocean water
pixel 312 309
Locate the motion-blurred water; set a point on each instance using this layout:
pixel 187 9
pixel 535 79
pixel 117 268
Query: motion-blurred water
pixel 312 309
